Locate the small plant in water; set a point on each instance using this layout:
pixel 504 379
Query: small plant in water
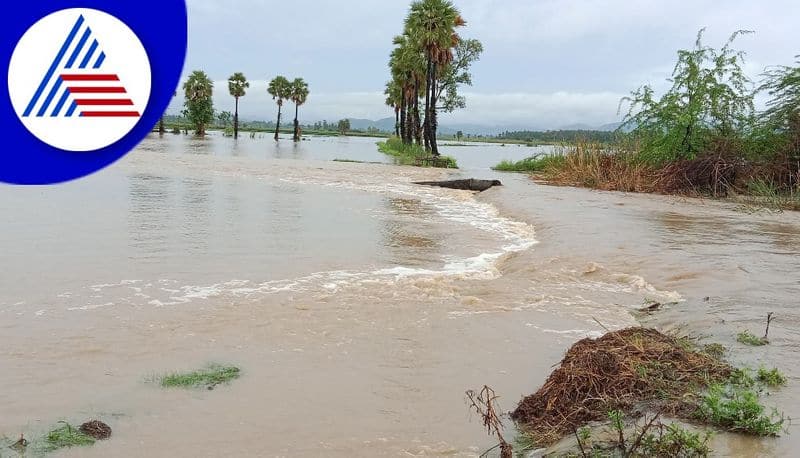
pixel 66 436
pixel 210 377
pixel 738 409
pixel 748 338
pixel 771 377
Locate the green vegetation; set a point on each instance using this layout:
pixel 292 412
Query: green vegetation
pixel 198 103
pixel 703 136
pixel 210 377
pixel 748 338
pixel 560 136
pixel 237 86
pixel 280 89
pixel 771 377
pixel 532 164
pixel 299 95
pixel 410 154
pixel 66 436
pixel 738 409
pixel 429 63
pixel 343 126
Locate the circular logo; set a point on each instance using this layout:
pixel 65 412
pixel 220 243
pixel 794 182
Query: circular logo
pixel 87 81
pixel 79 79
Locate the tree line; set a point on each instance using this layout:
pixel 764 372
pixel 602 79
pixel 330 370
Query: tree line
pixel 199 105
pixel 569 136
pixel 428 64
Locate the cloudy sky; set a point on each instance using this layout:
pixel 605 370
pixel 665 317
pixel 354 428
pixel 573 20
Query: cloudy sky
pixel 547 63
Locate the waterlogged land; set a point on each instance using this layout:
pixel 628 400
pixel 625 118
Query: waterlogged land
pixel 355 307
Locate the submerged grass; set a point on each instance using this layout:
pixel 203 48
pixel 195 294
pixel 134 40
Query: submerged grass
pixel 532 164
pixel 414 155
pixel 210 377
pixel 739 410
pixel 66 436
pixel 771 377
pixel 747 338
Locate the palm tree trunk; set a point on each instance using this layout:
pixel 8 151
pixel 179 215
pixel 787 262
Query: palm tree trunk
pixel 426 125
pixel 433 124
pixel 417 123
pixel 236 120
pixel 410 124
pixel 396 121
pixel 296 136
pixel 278 124
pixel 403 129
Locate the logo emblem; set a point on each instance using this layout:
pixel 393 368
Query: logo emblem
pixel 79 79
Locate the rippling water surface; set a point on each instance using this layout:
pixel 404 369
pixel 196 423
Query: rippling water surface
pixel 360 306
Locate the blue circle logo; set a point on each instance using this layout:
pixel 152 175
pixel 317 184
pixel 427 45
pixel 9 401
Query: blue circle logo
pixel 85 84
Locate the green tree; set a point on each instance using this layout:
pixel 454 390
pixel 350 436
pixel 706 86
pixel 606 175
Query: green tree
pixel 431 25
pixel 343 126
pixel 280 90
pixel 224 118
pixel 782 84
pixel 198 103
pixel 237 86
pixel 161 129
pixel 407 65
pixel 299 95
pixel 710 98
pixel 456 74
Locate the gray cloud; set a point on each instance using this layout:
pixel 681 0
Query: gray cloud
pixel 547 62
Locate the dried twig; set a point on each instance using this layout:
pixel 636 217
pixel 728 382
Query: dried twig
pixel 769 320
pixel 483 403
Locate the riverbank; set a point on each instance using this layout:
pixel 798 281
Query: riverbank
pixel 607 168
pixel 414 155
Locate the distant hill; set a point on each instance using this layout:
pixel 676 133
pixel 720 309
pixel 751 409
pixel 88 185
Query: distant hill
pixel 387 125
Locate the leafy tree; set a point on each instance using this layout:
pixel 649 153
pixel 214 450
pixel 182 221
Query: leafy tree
pixel 407 65
pixel 237 86
pixel 199 106
pixel 457 74
pixel 343 126
pixel 225 118
pixel 280 90
pixel 710 98
pixel 783 86
pixel 298 94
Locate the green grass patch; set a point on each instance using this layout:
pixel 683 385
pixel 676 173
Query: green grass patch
pixel 739 410
pixel 210 377
pixel 531 164
pixel 414 155
pixel 771 377
pixel 747 338
pixel 66 436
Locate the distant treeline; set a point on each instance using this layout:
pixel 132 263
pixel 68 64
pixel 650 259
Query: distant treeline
pixel 554 136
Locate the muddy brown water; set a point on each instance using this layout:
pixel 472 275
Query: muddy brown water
pixel 359 306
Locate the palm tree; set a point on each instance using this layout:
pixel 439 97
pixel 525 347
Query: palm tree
pixel 394 97
pixel 431 26
pixel 198 92
pixel 298 94
pixel 280 90
pixel 237 86
pixel 407 64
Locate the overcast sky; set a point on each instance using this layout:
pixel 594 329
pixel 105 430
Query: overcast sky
pixel 546 64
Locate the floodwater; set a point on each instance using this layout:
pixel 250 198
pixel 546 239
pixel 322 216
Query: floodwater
pixel 359 306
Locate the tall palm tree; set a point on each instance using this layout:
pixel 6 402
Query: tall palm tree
pixel 407 64
pixel 394 97
pixel 431 25
pixel 298 94
pixel 237 86
pixel 280 90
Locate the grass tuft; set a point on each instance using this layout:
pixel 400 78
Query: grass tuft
pixel 66 436
pixel 414 154
pixel 531 164
pixel 738 409
pixel 210 377
pixel 748 338
pixel 771 377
